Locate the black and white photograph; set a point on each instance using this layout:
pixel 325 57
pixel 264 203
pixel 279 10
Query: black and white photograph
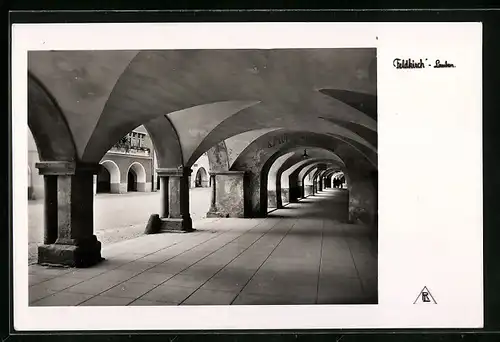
pixel 202 177
pixel 251 176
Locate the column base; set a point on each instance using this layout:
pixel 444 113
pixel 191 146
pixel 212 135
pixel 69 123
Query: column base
pixel 176 225
pixel 78 255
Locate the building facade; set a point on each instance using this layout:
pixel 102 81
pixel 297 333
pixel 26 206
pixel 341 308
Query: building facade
pixel 128 166
pixel 199 177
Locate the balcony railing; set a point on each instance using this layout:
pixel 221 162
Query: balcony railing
pixel 128 149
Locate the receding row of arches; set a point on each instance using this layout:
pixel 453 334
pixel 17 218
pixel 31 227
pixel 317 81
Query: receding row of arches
pixel 257 137
pixel 109 178
pixel 201 179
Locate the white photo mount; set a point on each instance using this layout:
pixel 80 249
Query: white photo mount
pixel 430 220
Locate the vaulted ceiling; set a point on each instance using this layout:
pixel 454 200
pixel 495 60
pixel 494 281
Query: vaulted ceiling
pixel 192 100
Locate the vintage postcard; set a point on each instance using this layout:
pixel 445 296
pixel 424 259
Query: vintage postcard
pixel 224 176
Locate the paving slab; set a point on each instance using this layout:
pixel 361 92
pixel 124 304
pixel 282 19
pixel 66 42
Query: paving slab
pixel 63 299
pixel 262 299
pixel 280 286
pixel 137 265
pixel 117 275
pixel 61 283
pixel 228 281
pixel 92 286
pixel 151 278
pixel 168 294
pixel 48 270
pixel 210 297
pixel 143 302
pixel 187 280
pixel 107 301
pixel 34 279
pixel 39 291
pixel 129 290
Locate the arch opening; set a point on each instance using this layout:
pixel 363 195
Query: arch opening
pixel 103 181
pixel 108 178
pixel 201 180
pixel 277 159
pixel 338 181
pixel 275 198
pixel 136 178
pixel 131 181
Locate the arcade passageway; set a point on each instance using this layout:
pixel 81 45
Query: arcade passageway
pixel 300 254
pixel 290 140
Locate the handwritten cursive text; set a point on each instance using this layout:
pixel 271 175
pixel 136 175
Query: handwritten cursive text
pixel 409 63
pixel 421 63
pixel 439 64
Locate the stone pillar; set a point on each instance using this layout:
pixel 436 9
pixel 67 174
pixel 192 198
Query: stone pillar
pixel 50 208
pixel 174 187
pixel 279 193
pixel 295 191
pixel 164 196
pixel 228 194
pixel 302 191
pixel 69 188
pixel 285 196
pixel 213 205
pixel 271 199
pixel 320 184
pixel 363 199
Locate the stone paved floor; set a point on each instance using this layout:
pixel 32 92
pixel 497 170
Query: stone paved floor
pixel 297 255
pixel 118 217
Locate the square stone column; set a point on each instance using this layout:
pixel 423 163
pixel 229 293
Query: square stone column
pixel 299 190
pixel 308 190
pixel 174 187
pixel 50 209
pixel 272 200
pixel 295 193
pixel 320 184
pixel 69 186
pixel 285 197
pixel 228 194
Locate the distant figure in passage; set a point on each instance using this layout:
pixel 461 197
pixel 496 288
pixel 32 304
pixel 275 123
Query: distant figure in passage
pixel 341 182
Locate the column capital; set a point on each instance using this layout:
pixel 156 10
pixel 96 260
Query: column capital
pixel 66 168
pixel 174 172
pixel 56 168
pixel 229 173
